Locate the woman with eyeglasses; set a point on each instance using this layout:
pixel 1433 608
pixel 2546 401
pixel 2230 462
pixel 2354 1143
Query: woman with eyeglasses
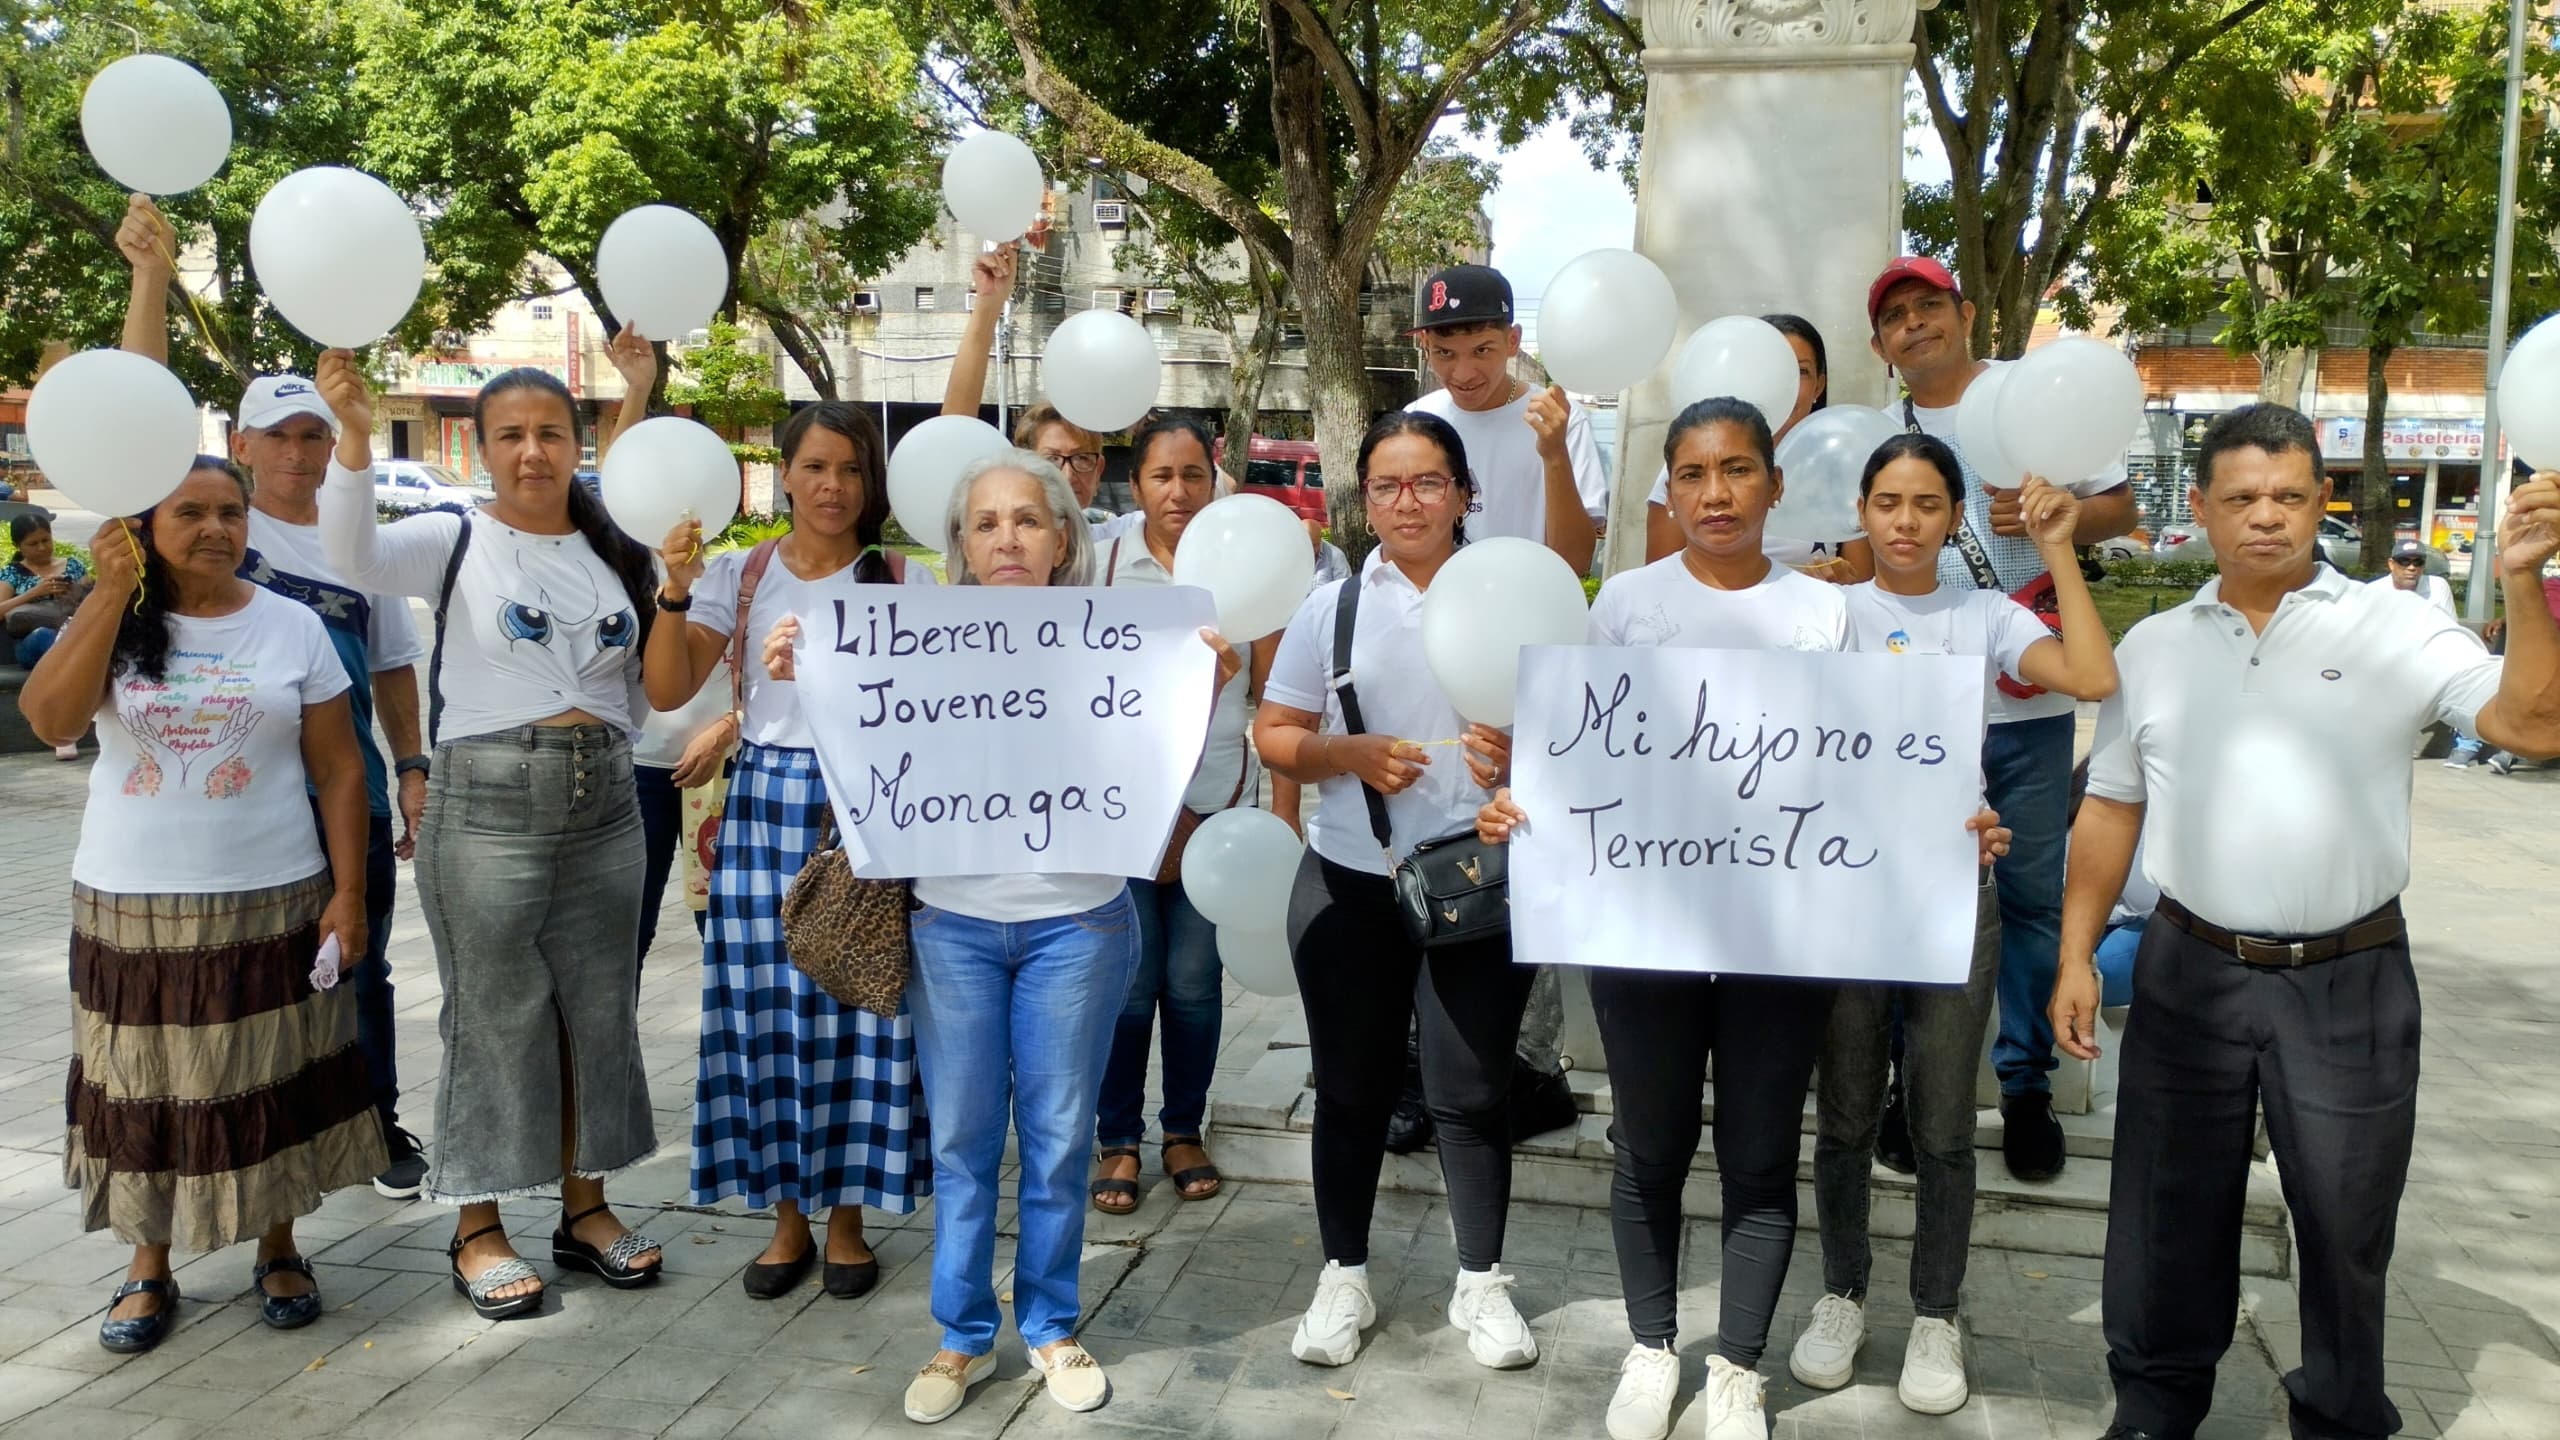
pixel 1357 967
pixel 1040 429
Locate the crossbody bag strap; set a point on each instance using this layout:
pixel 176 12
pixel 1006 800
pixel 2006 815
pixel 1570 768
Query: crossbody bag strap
pixel 1346 612
pixel 1111 562
pixel 749 576
pixel 1986 575
pixel 444 603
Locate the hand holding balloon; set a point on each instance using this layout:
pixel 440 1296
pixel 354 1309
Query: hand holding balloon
pixel 2529 533
pixel 115 561
pixel 682 553
pixel 991 277
pixel 634 359
pixel 344 387
pixel 1384 763
pixel 146 240
pixel 1549 412
pixel 2047 514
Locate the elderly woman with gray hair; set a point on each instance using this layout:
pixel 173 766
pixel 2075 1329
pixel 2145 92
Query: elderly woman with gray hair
pixel 1016 982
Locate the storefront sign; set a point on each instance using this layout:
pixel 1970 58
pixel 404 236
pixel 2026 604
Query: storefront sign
pixel 2342 438
pixel 463 377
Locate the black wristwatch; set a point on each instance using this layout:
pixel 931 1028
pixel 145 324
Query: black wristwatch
pixel 408 763
pixel 675 607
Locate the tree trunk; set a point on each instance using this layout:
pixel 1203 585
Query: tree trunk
pixel 2281 373
pixel 1246 376
pixel 2377 512
pixel 804 345
pixel 1328 289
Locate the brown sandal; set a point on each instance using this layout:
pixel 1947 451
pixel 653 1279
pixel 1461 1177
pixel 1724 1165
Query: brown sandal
pixel 1183 1180
pixel 1105 1185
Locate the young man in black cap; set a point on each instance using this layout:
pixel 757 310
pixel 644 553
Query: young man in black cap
pixel 1537 471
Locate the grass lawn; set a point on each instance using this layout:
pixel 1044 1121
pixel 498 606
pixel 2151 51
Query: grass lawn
pixel 2121 606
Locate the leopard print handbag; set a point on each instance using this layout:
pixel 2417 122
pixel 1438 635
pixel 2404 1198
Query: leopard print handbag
pixel 847 934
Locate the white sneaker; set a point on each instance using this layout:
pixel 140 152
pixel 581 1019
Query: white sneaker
pixel 1496 1335
pixel 1933 1368
pixel 1648 1381
pixel 1734 1402
pixel 1329 1333
pixel 1826 1354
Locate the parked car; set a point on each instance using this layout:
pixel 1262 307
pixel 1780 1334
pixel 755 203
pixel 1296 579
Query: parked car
pixel 2122 547
pixel 1288 471
pixel 2341 541
pixel 2173 542
pixel 417 485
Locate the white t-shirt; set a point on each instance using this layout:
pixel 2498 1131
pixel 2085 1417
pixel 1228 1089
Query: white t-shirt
pixel 2014 558
pixel 2431 588
pixel 1511 479
pixel 1784 549
pixel 199 785
pixel 539 624
pixel 1663 604
pixel 1946 621
pixel 664 734
pixel 1397 697
pixel 393 639
pixel 773 706
pixel 1227 774
pixel 1017 899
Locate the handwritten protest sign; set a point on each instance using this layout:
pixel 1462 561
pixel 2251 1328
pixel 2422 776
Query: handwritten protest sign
pixel 975 731
pixel 1747 812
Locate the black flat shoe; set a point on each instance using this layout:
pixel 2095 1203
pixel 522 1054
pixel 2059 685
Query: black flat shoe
pixel 2030 1138
pixel 142 1332
pixel 772 1281
pixel 286 1312
pixel 845 1282
pixel 612 1264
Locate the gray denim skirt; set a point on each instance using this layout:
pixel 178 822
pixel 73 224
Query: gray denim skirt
pixel 528 871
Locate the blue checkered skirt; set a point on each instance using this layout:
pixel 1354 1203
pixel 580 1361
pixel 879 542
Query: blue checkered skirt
pixel 798 1098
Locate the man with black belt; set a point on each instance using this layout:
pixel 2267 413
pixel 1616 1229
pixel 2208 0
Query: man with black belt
pixel 2262 737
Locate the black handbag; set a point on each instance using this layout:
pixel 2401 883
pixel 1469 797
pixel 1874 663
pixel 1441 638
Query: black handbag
pixel 1454 890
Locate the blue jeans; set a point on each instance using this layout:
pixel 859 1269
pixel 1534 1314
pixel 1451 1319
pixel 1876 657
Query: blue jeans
pixel 2115 961
pixel 1013 1021
pixel 1177 969
pixel 2026 767
pixel 32 648
pixel 371 980
pixel 661 831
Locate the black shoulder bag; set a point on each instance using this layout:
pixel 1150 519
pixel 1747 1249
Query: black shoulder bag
pixel 1451 891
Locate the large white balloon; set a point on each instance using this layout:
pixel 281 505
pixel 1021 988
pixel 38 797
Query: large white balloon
pixel 155 124
pixel 1239 868
pixel 1492 597
pixel 927 463
pixel 1743 356
pixel 665 468
pixel 1820 461
pixel 1978 431
pixel 338 254
pixel 2529 396
pixel 115 432
pixel 1100 369
pixel 2069 409
pixel 1606 320
pixel 662 271
pixel 992 183
pixel 1258 959
pixel 1250 552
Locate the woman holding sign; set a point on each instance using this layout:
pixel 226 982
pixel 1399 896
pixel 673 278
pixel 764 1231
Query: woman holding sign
pixel 1357 968
pixel 1909 496
pixel 530 856
pixel 801 1102
pixel 1719 591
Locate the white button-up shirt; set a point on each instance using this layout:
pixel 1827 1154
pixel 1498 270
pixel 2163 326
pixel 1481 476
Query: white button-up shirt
pixel 1227 775
pixel 2275 765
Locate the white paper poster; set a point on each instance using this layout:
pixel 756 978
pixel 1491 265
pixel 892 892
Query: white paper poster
pixel 985 731
pixel 1747 811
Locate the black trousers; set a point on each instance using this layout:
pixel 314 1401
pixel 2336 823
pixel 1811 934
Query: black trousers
pixel 1362 981
pixel 1659 1028
pixel 2332 1051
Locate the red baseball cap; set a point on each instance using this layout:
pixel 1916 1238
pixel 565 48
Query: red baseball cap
pixel 1910 267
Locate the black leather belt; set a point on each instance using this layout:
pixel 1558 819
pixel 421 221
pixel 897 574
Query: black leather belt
pixel 2382 927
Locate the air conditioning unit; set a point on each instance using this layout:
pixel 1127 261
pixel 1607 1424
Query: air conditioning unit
pixel 866 302
pixel 1162 302
pixel 1111 214
pixel 1110 299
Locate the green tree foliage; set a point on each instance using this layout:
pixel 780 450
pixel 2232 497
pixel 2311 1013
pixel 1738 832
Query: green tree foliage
pixel 728 384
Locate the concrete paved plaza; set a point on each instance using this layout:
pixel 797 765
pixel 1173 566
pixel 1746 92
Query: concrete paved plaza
pixel 1190 1306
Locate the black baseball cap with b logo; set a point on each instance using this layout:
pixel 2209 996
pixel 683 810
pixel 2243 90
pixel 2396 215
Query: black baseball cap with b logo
pixel 1463 295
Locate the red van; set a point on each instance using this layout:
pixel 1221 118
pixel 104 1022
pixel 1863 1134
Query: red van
pixel 1288 471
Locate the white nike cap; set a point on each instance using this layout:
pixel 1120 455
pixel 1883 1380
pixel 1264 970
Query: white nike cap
pixel 274 399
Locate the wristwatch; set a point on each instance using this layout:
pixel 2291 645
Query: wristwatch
pixel 408 763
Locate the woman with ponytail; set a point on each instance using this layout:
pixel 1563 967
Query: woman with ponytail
pixel 530 855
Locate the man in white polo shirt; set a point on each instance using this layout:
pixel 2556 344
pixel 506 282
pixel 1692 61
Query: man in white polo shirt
pixel 2261 743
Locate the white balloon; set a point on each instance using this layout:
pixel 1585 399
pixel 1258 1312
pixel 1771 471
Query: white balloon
pixel 1100 369
pixel 155 124
pixel 1250 552
pixel 926 464
pixel 2069 409
pixel 664 469
pixel 2529 396
pixel 1239 868
pixel 662 271
pixel 1606 320
pixel 338 254
pixel 115 432
pixel 1820 462
pixel 1742 356
pixel 993 185
pixel 1258 959
pixel 1978 431
pixel 1492 597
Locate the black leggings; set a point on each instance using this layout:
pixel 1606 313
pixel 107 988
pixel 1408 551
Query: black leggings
pixel 1659 1028
pixel 1357 976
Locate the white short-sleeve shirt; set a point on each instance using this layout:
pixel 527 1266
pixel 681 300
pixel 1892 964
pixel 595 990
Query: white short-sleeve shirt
pixel 2265 758
pixel 772 706
pixel 1784 549
pixel 1227 774
pixel 1397 697
pixel 1664 604
pixel 1510 475
pixel 2431 588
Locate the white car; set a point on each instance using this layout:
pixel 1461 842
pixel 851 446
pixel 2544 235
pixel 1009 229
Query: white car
pixel 411 485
